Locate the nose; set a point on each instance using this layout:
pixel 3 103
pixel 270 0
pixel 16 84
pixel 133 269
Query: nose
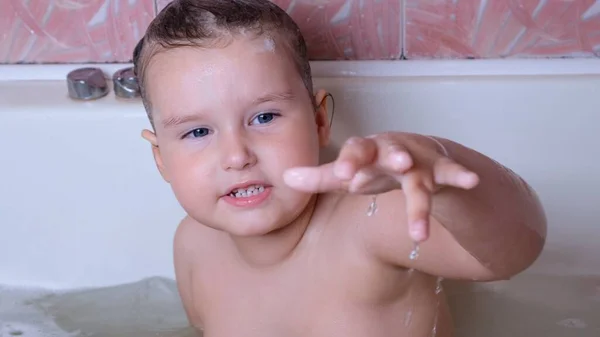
pixel 235 152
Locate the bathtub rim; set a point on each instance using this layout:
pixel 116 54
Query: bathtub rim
pixel 370 68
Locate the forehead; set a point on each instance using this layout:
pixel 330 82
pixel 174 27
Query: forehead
pixel 187 78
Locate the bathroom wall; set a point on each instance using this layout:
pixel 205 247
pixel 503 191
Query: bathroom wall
pixel 84 31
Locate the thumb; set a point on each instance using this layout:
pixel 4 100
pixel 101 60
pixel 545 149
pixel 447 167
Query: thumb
pixel 313 179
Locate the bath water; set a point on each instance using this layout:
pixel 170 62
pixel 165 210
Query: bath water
pixel 527 305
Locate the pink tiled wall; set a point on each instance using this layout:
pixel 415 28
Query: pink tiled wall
pixel 49 31
pixel 347 29
pixel 71 30
pixel 501 28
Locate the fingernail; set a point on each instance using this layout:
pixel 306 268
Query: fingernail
pixel 353 140
pixel 417 231
pixel 468 179
pixel 401 159
pixel 293 177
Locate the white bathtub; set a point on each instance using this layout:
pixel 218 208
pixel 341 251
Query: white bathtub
pixel 83 207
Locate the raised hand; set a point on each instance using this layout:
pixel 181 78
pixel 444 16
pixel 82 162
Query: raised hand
pixel 417 164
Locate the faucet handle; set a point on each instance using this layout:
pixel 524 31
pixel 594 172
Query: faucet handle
pixel 126 84
pixel 87 84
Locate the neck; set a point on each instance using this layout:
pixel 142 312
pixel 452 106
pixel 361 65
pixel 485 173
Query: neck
pixel 276 246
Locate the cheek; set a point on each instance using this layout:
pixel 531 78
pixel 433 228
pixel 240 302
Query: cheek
pixel 188 172
pixel 307 144
pixel 297 148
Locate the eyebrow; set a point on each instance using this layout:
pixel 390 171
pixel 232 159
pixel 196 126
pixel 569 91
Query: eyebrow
pixel 178 120
pixel 271 97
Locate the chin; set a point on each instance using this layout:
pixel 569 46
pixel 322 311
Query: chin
pixel 252 228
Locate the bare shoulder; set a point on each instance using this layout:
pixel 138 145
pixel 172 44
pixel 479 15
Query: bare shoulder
pixel 187 235
pixel 186 244
pixel 187 238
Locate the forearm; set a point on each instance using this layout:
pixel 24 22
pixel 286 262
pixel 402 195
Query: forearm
pixel 500 222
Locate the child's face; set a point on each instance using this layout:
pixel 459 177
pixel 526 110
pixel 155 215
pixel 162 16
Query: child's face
pixel 229 116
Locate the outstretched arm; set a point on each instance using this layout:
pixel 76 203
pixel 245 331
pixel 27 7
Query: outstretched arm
pixel 475 219
pixel 489 232
pixel 500 222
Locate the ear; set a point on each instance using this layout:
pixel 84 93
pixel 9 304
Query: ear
pixel 321 118
pixel 151 138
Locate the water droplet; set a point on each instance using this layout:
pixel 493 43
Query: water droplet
pixel 408 318
pixel 372 207
pixel 408 314
pixel 414 254
pixel 438 286
pixel 438 290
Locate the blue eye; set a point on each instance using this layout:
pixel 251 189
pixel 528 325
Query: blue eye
pixel 197 133
pixel 264 118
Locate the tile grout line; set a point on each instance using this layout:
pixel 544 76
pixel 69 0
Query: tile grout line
pixel 402 29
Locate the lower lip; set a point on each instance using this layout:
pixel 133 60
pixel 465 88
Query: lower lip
pixel 249 201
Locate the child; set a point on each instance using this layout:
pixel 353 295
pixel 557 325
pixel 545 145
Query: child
pixel 276 245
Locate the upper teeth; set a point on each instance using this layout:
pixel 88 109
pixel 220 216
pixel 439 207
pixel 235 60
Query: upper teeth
pixel 245 192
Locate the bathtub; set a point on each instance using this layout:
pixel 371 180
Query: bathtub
pixel 86 222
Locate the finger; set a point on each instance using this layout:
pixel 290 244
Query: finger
pixel 393 157
pixel 362 180
pixel 376 185
pixel 449 172
pixel 417 188
pixel 314 179
pixel 354 155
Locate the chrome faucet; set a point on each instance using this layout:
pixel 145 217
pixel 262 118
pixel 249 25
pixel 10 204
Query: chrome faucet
pixel 125 83
pixel 87 84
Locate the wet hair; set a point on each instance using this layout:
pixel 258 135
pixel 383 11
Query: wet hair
pixel 213 23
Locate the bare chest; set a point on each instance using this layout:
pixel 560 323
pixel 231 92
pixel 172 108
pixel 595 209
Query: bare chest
pixel 311 298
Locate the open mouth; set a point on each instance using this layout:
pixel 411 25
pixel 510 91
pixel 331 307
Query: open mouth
pixel 247 192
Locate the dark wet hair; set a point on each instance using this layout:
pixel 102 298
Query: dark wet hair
pixel 212 23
